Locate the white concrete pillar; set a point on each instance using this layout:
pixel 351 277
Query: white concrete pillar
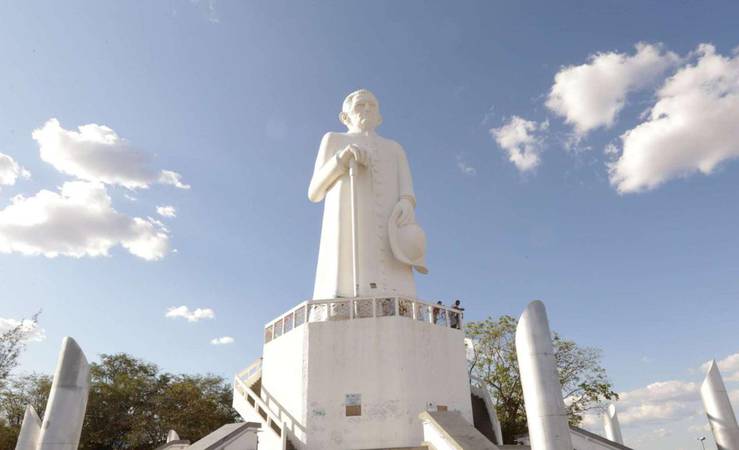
pixel 30 430
pixel 65 410
pixel 611 425
pixel 172 436
pixel 542 393
pixel 718 410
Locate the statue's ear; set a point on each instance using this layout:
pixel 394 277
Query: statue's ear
pixel 344 118
pixel 379 118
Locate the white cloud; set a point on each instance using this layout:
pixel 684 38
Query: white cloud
pixel 668 403
pixel 77 221
pixel 591 95
pixel 222 340
pixel 693 126
pixel 592 422
pixel 167 211
pixel 702 428
pixel 10 171
pixel 97 153
pixel 172 178
pixel 465 167
pixel 522 140
pixel 33 332
pixel 659 403
pixel 191 316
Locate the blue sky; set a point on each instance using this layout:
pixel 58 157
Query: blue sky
pixel 235 97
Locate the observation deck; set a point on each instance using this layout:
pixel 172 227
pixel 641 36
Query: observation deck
pixel 363 308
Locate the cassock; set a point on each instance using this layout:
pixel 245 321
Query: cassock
pixel 379 186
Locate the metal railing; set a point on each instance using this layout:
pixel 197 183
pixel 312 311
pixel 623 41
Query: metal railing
pixel 362 308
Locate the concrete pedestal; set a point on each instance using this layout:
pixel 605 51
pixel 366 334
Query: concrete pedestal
pixel 361 382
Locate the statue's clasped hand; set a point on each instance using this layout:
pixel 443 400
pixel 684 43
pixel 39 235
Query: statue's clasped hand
pixel 404 212
pixel 353 152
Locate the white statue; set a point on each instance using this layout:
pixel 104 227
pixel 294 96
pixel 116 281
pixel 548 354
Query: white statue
pixel 370 242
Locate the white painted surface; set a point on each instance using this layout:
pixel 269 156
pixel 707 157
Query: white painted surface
pixel 398 365
pixel 30 430
pixel 434 436
pixel 384 200
pixel 172 436
pixel 285 379
pixel 267 438
pixel 719 411
pixel 545 408
pixel 611 425
pixel 65 409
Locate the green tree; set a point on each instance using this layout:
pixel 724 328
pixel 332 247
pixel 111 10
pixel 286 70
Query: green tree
pixel 131 405
pixel 494 365
pixel 195 405
pixel 121 406
pixel 12 344
pixel 22 391
pixel 19 392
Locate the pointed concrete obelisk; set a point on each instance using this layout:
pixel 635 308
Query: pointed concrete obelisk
pixel 542 393
pixel 30 430
pixel 718 410
pixel 65 410
pixel 610 423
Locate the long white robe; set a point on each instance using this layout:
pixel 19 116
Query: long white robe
pixel 379 185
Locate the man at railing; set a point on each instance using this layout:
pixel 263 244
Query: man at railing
pixel 454 321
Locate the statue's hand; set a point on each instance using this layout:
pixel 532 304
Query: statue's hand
pixel 353 152
pixel 404 212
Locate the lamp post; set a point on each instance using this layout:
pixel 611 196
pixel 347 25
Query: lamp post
pixel 701 439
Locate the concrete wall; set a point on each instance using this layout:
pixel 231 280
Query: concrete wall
pixel 397 365
pixel 284 379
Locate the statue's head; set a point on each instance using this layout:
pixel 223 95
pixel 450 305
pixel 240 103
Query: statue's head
pixel 361 111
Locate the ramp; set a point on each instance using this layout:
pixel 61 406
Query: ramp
pixel 448 430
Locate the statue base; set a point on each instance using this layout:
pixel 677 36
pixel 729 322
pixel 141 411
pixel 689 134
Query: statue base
pixel 355 374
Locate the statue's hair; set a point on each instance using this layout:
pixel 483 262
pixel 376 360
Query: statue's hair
pixel 347 105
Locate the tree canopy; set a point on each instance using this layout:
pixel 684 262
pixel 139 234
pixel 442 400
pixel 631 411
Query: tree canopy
pixel 132 404
pixel 494 366
pixel 12 344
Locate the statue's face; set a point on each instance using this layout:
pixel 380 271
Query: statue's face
pixel 364 114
